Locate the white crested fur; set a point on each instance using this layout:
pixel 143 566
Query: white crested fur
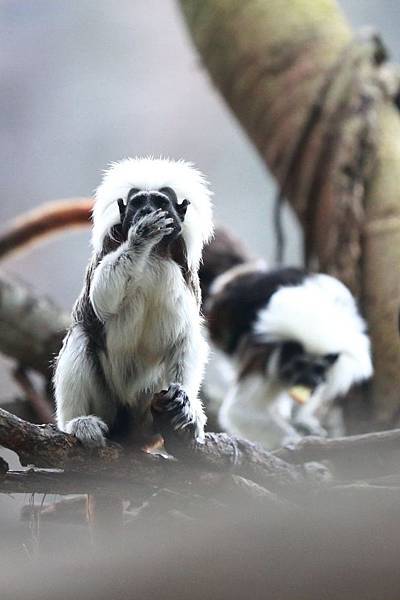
pixel 322 315
pixel 153 174
pixel 151 318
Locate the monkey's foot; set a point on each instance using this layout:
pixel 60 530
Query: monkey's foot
pixel 91 430
pixel 171 408
pixel 310 426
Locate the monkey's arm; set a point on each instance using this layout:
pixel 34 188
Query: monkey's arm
pixel 248 410
pixel 126 264
pixel 108 285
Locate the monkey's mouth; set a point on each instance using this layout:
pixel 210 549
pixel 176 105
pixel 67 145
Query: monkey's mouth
pixel 300 393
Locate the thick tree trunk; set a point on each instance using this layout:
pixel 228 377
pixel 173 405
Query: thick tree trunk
pixel 314 100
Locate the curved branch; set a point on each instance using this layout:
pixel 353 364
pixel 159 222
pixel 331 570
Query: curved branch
pixel 46 220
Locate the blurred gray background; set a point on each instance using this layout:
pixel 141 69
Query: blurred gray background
pixel 85 82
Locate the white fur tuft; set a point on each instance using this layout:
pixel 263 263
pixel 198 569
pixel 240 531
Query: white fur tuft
pixel 153 174
pixel 253 266
pixel 322 315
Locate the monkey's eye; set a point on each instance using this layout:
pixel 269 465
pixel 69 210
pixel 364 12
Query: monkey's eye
pixel 161 201
pixel 170 193
pixel 331 358
pixel 318 369
pixel 131 193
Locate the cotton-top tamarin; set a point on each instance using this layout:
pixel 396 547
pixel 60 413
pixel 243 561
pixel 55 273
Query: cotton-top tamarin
pixel 297 342
pixel 136 327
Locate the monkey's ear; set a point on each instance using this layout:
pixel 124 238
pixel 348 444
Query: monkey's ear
pixel 182 208
pixel 122 209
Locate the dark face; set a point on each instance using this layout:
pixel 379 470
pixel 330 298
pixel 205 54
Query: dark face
pixel 140 203
pixel 297 367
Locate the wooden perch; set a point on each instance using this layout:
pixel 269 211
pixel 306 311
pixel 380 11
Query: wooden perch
pixel 46 447
pixel 360 456
pixel 244 467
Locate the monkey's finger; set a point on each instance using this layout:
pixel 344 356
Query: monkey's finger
pixel 161 216
pixel 166 230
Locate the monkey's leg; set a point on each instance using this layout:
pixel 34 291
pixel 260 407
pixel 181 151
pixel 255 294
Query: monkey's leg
pixel 79 393
pixel 126 264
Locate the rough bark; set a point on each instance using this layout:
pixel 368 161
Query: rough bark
pixel 31 327
pixel 365 456
pixel 46 447
pixel 223 467
pixel 314 100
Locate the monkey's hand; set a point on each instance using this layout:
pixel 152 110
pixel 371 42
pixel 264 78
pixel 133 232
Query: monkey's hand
pixel 90 430
pixel 309 426
pixel 171 408
pixel 150 228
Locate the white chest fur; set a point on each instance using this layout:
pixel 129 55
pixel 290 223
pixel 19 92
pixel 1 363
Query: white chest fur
pixel 156 312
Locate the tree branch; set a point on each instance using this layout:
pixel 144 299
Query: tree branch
pixel 46 447
pixel 31 327
pixel 243 468
pixel 39 402
pixel 364 456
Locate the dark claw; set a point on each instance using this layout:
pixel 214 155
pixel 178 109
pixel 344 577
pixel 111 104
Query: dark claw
pixel 171 410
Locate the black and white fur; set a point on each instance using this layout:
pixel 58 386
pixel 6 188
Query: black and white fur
pixel 136 328
pixel 281 329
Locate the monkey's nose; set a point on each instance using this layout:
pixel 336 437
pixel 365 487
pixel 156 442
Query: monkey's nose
pixel 160 201
pixel 139 200
pixel 146 209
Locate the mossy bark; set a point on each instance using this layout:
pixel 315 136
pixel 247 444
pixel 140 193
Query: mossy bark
pixel 271 60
